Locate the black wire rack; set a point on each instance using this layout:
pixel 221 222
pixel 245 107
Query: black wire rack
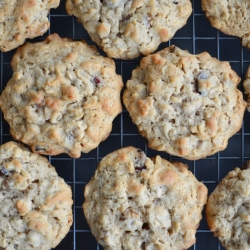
pixel 196 36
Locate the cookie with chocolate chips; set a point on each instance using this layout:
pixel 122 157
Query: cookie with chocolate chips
pixel 230 16
pixel 134 202
pixel 21 19
pixel 187 105
pixel 128 28
pixel 35 202
pixel 228 209
pixel 62 98
pixel 246 85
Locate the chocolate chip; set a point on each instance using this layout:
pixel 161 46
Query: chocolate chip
pixel 172 49
pixel 145 226
pixel 175 2
pixel 143 245
pixel 40 149
pixel 4 171
pixel 125 19
pixel 140 168
pixel 196 87
pixel 229 122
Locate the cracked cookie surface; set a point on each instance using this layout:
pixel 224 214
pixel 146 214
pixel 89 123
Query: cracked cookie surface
pixel 134 202
pixel 230 16
pixel 228 210
pixel 246 85
pixel 62 98
pixel 187 105
pixel 21 19
pixel 35 202
pixel 125 29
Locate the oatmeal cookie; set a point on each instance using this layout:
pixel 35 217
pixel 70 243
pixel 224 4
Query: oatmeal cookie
pixel 228 210
pixel 21 19
pixel 35 202
pixel 230 16
pixel 134 202
pixel 246 85
pixel 62 98
pixel 125 29
pixel 187 105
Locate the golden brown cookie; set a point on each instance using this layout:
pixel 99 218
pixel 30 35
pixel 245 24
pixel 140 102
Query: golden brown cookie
pixel 62 98
pixel 134 202
pixel 228 210
pixel 187 105
pixel 230 16
pixel 21 19
pixel 125 29
pixel 35 202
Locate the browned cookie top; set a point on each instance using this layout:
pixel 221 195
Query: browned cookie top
pixel 228 210
pixel 230 16
pixel 187 105
pixel 134 202
pixel 62 98
pixel 125 29
pixel 21 19
pixel 35 202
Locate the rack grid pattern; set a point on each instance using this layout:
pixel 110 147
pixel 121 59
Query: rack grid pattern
pixel 197 36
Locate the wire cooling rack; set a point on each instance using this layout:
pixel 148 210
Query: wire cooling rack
pixel 196 36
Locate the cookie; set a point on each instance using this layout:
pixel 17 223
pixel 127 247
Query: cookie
pixel 246 85
pixel 62 98
pixel 134 202
pixel 125 29
pixel 35 202
pixel 228 209
pixel 187 105
pixel 23 19
pixel 230 16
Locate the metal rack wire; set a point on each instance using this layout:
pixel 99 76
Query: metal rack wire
pixel 197 36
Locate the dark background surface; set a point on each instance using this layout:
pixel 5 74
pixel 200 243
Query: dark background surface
pixel 197 36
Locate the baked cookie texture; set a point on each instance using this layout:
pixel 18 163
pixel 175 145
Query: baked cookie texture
pixel 134 202
pixel 21 19
pixel 230 16
pixel 246 85
pixel 125 29
pixel 35 202
pixel 62 98
pixel 228 209
pixel 187 105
